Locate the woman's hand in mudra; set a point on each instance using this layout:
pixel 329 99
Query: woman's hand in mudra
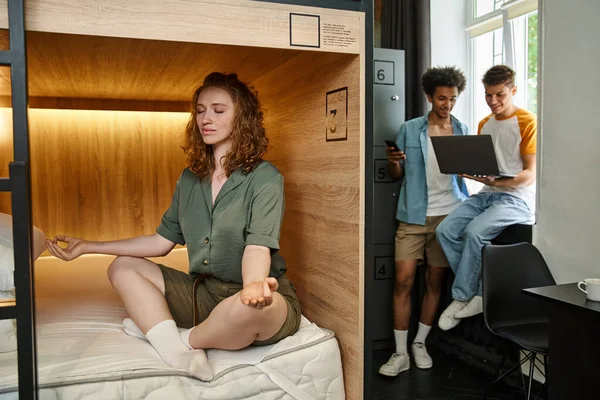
pixel 259 294
pixel 75 247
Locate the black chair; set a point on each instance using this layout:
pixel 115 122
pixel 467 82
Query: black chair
pixel 471 341
pixel 507 312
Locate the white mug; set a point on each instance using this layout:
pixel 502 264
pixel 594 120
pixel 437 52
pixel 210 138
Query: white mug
pixel 592 288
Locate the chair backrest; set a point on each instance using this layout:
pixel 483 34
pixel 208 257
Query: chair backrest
pixel 506 270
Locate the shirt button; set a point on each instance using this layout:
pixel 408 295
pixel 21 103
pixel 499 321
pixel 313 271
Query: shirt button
pixel 205 262
pixel 206 240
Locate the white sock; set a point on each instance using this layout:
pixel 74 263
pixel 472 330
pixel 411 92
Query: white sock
pixel 185 338
pixel 131 328
pixel 401 339
pixel 199 366
pixel 166 340
pixel 422 333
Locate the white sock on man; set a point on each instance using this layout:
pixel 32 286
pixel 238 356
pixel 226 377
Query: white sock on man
pixel 401 338
pixel 166 340
pixel 422 333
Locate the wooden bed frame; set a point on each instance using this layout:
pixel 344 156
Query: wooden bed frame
pixel 110 85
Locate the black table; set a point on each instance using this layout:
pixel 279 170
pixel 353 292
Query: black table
pixel 574 342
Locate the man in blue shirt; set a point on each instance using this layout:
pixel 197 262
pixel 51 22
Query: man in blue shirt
pixel 426 197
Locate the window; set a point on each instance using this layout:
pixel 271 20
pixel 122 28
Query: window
pixel 487 52
pixel 532 60
pixel 484 7
pixel 502 32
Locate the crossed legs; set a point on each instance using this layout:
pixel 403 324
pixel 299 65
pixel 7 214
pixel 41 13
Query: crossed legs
pixel 231 325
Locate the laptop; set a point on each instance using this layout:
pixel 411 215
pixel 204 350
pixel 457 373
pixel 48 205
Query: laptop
pixel 469 154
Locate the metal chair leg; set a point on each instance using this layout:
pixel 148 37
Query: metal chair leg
pixel 546 374
pixel 531 371
pixel 495 376
pixel 510 371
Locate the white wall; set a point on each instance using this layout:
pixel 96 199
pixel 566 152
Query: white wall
pixel 449 44
pixel 568 224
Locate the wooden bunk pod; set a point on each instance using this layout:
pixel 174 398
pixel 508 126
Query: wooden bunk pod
pixel 110 88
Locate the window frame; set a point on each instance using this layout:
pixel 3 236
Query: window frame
pixel 477 26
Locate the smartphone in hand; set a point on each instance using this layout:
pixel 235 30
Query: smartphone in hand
pixel 391 144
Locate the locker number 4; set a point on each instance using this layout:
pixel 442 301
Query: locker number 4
pixel 384 268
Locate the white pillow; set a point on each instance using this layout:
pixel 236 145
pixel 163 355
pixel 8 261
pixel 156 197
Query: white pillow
pixel 8 338
pixel 8 335
pixel 7 261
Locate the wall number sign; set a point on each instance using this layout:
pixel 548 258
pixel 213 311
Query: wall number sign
pixel 384 268
pixel 381 171
pixel 384 73
pixel 336 115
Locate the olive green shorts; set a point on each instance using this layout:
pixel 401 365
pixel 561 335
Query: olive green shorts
pixel 210 291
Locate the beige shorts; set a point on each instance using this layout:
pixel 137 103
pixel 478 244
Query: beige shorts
pixel 414 241
pixel 210 291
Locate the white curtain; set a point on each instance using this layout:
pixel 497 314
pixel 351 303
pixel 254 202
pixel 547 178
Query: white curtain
pixel 515 53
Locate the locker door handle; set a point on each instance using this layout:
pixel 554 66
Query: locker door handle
pixel 395 97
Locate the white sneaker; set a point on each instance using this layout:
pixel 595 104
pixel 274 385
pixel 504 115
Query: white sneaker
pixel 421 356
pixel 397 363
pixel 448 318
pixel 474 307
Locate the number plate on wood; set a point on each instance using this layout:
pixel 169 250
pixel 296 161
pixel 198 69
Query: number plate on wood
pixel 336 115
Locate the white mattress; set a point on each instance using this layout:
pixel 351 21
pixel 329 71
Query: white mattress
pixel 83 352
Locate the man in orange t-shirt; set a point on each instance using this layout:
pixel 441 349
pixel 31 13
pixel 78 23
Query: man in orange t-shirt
pixel 501 202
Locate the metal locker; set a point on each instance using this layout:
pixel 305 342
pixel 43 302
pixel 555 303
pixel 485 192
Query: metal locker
pixel 388 115
pixel 388 95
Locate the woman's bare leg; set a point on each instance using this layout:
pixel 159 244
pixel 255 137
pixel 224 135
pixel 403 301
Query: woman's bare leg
pixel 135 279
pixel 140 284
pixel 233 325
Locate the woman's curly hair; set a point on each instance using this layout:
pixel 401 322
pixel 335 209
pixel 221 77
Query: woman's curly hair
pixel 249 141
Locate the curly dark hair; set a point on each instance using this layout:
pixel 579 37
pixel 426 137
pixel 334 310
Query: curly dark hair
pixel 499 74
pixel 443 76
pixel 249 140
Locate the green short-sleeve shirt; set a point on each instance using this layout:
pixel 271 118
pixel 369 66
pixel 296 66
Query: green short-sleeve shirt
pixel 248 211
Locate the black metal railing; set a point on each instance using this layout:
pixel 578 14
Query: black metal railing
pixel 19 185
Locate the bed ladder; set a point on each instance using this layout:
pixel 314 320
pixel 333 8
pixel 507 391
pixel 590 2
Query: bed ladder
pixel 19 184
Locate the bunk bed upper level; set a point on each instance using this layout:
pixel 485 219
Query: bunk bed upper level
pixel 85 49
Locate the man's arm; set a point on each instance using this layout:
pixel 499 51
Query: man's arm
pixel 527 176
pixel 395 157
pixel 394 166
pixel 523 178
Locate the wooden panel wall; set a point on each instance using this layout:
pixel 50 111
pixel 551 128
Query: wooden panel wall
pixel 99 69
pixel 100 175
pixel 321 234
pixel 237 22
